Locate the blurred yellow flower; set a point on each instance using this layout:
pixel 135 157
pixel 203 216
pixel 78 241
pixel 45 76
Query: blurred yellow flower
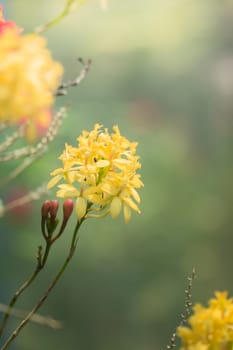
pixel 28 76
pixel 102 171
pixel 211 328
pixel 104 4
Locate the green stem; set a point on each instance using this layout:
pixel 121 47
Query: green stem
pixel 24 286
pixel 15 298
pixel 41 301
pixel 66 11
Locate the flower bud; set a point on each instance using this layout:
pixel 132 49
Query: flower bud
pixel 53 209
pixel 45 209
pixel 115 207
pixel 81 207
pixel 44 216
pixel 68 207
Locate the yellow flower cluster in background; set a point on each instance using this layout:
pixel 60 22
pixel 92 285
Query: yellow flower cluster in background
pixel 28 75
pixel 211 328
pixel 100 173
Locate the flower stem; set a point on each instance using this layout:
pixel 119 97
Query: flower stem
pixel 15 298
pixel 41 301
pixel 25 285
pixel 67 10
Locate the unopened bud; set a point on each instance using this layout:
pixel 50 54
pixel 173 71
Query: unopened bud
pixel 115 207
pixel 68 207
pixel 81 207
pixel 53 209
pixel 45 209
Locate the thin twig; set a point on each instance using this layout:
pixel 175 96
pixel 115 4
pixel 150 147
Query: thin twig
pixel 37 318
pixel 187 311
pixel 61 91
pixel 10 140
pixel 12 302
pixel 66 11
pixel 41 261
pixel 48 291
pixel 19 169
pixel 188 299
pixel 48 138
pixel 29 197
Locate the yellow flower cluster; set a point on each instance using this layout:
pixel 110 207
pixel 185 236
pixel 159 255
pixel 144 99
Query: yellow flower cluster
pixel 100 173
pixel 211 327
pixel 28 75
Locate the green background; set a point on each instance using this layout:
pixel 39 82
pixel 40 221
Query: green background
pixel 163 71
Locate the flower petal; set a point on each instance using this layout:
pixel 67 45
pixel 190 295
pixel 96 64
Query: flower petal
pixel 54 181
pixel 127 213
pixel 102 163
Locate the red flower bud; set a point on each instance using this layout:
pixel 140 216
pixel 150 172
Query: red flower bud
pixel 53 209
pixel 44 216
pixel 68 207
pixel 45 209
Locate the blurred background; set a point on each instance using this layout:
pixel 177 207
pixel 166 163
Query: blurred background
pixel 163 71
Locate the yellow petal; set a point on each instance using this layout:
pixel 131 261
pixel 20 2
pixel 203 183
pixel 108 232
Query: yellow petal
pixel 54 181
pixel 135 195
pixel 127 213
pixel 121 161
pixel 58 171
pixel 67 191
pixel 131 204
pixel 62 194
pixel 115 207
pixel 102 163
pixel 67 187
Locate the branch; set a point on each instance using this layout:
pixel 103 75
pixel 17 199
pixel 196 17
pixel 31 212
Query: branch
pixel 20 168
pixel 42 257
pixel 10 140
pixel 187 311
pixel 61 91
pixel 66 11
pixel 31 196
pixel 48 138
pixel 37 318
pixel 49 290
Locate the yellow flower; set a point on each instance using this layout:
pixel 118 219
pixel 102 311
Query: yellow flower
pixel 102 170
pixel 28 76
pixel 211 328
